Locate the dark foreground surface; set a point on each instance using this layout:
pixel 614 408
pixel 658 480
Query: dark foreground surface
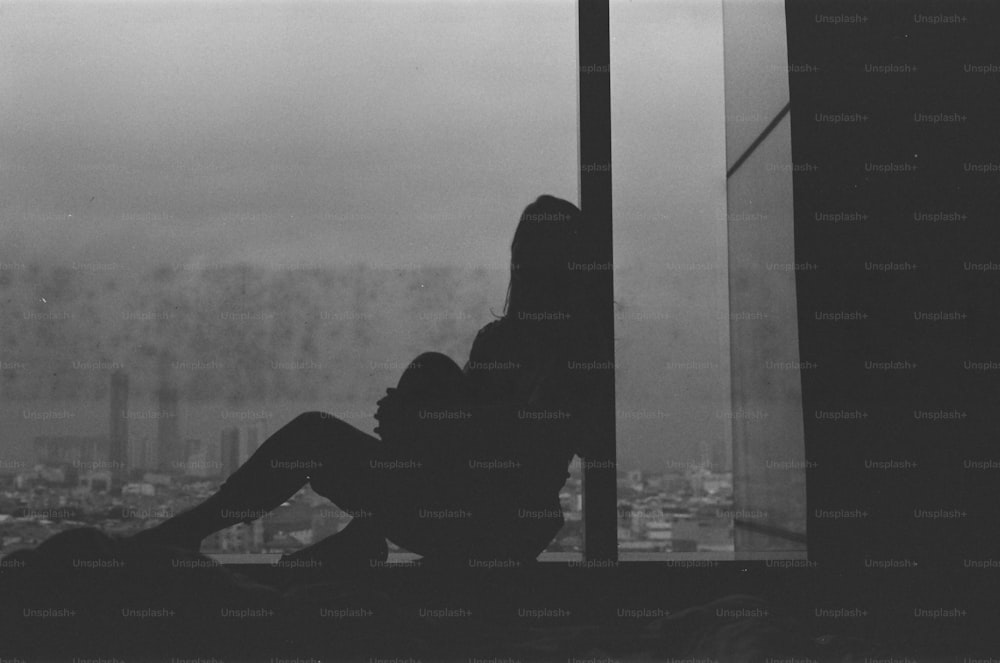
pixel 115 602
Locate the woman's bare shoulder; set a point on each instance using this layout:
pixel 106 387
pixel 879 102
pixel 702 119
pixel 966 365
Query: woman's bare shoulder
pixel 491 332
pixel 490 342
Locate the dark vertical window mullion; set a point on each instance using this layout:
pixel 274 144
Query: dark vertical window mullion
pixel 600 488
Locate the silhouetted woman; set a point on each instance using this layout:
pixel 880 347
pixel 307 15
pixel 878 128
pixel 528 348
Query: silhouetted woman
pixel 470 461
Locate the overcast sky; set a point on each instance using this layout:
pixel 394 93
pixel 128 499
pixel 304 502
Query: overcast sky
pixel 341 131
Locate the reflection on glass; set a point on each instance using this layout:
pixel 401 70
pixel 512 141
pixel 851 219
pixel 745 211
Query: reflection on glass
pixel 767 424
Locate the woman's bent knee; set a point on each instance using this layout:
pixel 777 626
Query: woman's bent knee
pixel 317 420
pixel 310 434
pixel 431 373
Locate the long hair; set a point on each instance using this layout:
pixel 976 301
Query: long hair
pixel 552 298
pixel 548 279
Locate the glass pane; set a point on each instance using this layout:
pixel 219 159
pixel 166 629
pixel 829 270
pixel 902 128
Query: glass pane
pixel 768 442
pixel 672 311
pixel 245 213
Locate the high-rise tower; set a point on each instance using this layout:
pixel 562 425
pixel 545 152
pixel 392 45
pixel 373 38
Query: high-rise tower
pixel 170 455
pixel 118 430
pixel 229 450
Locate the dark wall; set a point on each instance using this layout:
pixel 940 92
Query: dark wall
pixel 839 68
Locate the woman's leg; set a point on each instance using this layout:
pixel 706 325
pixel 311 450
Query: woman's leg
pixel 387 483
pixel 432 376
pixel 277 470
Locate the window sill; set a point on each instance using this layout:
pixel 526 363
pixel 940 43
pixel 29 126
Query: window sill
pixel 409 559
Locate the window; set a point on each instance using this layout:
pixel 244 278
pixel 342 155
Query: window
pixel 224 217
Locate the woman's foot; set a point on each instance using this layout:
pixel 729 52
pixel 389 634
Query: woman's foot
pixel 360 544
pixel 187 529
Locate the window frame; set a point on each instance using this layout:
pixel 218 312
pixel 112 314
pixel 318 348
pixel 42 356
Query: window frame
pixel 600 486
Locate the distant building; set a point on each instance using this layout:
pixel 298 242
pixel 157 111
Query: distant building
pixel 80 451
pixel 169 451
pixel 95 481
pixel 251 443
pixel 722 460
pixel 157 478
pixel 703 535
pixel 242 538
pixel 229 450
pixel 150 453
pixel 140 489
pixel 634 478
pixel 118 448
pixel 684 545
pixel 659 531
pixel 696 477
pixel 54 473
pixel 706 453
pixel 197 463
pixel 138 453
pixel 295 519
pixel 717 483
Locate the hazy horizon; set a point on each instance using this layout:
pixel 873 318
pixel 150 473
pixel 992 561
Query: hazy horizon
pixel 394 135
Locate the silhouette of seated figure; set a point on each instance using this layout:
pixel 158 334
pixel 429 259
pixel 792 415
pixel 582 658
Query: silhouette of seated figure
pixel 470 461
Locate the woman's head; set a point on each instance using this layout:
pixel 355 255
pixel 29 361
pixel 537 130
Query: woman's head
pixel 546 278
